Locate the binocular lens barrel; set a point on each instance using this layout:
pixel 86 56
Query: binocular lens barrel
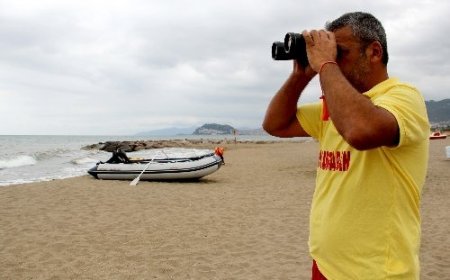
pixel 278 51
pixel 294 47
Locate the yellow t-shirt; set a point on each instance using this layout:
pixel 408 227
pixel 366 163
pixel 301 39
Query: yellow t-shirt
pixel 365 219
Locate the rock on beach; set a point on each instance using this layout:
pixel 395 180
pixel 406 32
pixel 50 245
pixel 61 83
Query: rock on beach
pixel 131 146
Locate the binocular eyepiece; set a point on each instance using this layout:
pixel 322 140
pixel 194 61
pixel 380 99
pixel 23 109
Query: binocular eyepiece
pixel 293 47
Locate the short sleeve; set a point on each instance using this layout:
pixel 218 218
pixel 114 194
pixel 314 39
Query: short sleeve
pixel 408 107
pixel 308 116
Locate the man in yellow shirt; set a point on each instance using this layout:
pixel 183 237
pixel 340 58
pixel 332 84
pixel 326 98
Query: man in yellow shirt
pixel 365 220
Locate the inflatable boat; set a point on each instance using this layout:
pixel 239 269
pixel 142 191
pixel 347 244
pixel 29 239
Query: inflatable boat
pixel 120 167
pixel 437 135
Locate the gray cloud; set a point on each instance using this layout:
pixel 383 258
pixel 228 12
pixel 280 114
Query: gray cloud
pixel 120 67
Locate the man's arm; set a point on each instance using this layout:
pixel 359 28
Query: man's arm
pixel 281 115
pixel 361 123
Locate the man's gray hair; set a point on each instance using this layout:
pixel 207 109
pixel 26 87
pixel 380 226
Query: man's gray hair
pixel 364 26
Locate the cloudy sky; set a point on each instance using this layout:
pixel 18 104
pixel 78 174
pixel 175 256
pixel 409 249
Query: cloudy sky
pixel 107 67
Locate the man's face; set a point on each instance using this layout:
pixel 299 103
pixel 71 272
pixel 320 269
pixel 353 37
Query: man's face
pixel 353 61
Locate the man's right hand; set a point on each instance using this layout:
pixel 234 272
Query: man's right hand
pixel 308 72
pixel 320 47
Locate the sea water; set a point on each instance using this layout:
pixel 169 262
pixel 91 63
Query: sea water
pixel 33 158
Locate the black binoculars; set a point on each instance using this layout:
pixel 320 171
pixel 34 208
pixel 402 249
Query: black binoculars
pixel 293 47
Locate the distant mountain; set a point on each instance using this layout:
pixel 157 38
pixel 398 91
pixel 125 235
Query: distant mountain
pixel 223 129
pixel 214 129
pixel 438 111
pixel 170 131
pixel 206 129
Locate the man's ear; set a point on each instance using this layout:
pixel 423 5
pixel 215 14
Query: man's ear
pixel 375 51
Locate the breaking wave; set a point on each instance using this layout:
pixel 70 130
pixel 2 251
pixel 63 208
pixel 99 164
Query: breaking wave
pixel 22 160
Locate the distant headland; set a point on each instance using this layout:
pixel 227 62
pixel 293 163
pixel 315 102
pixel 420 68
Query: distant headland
pixel 205 129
